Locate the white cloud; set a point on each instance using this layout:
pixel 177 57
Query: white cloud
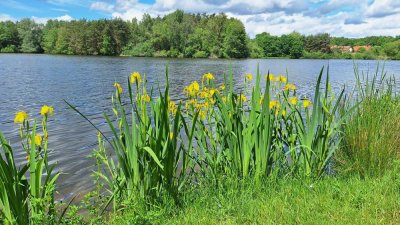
pixel 5 17
pixel 381 8
pixel 43 20
pixel 102 6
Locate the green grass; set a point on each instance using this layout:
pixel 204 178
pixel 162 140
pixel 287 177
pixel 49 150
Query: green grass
pixel 371 138
pixel 327 201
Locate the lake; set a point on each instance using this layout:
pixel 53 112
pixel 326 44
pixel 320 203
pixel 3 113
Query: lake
pixel 29 81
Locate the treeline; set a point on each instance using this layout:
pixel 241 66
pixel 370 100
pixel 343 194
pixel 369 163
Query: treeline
pixel 295 45
pixel 175 35
pixel 179 34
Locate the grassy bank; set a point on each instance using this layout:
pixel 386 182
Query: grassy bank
pixel 289 201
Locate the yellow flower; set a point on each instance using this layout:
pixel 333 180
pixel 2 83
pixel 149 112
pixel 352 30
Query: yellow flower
pixel 290 87
pixel 269 77
pixel 283 113
pixel 118 87
pixel 145 98
pixel 208 76
pixel 171 135
pixel 20 117
pixel 273 104
pixel 281 79
pixel 242 98
pixel 293 100
pixel 192 89
pixel 135 77
pixel 222 87
pixel 46 110
pixel 204 94
pixel 307 103
pixel 249 77
pixel 202 114
pixel 213 91
pixel 172 107
pixel 38 140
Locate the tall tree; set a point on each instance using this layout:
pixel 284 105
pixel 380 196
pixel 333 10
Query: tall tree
pixel 235 42
pixel 30 34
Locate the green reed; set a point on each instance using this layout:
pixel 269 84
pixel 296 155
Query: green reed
pixel 27 191
pixel 370 139
pixel 161 146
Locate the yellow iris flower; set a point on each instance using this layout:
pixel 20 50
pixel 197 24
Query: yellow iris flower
pixel 38 140
pixel 242 98
pixel 307 103
pixel 281 79
pixel 135 77
pixel 208 76
pixel 249 77
pixel 145 98
pixel 269 77
pixel 273 104
pixel 46 110
pixel 20 117
pixel 293 100
pixel 290 87
pixel 118 87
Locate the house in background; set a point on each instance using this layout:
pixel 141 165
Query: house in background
pixel 341 48
pixel 350 48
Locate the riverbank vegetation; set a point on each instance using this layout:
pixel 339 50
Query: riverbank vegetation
pixel 181 34
pixel 261 153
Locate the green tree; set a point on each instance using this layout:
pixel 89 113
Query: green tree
pixel 270 44
pixel 235 42
pixel 30 34
pixel 9 36
pixel 317 43
pixel 392 49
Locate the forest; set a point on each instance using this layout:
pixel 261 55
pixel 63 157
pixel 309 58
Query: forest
pixel 180 34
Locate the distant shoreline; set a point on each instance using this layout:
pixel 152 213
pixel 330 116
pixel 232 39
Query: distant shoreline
pixel 326 56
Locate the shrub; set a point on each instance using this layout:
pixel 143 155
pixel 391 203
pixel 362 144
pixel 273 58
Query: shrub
pixel 9 49
pixel 371 140
pixel 142 49
pixel 200 54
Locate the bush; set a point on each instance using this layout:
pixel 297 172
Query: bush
pixel 370 143
pixel 371 140
pixel 144 49
pixel 200 54
pixel 9 49
pixel 173 53
pixel 189 51
pixel 162 53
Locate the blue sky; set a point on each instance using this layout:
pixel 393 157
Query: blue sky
pixel 350 18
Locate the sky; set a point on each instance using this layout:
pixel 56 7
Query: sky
pixel 348 18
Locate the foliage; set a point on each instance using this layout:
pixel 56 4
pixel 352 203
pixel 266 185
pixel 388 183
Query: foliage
pixel 28 199
pixel 317 43
pixel 235 41
pixel 179 34
pixel 370 144
pixel 161 147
